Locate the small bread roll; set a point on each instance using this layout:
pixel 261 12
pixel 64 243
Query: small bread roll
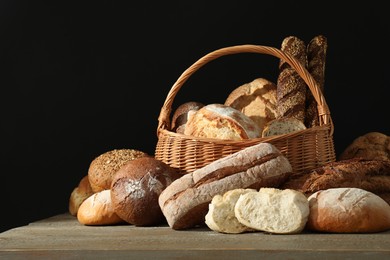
pixel 273 210
pixel 281 126
pixel 180 116
pixel 221 122
pixel 221 217
pixel 98 210
pixel 79 194
pixel 103 168
pixel 256 99
pixel 348 210
pixel 136 187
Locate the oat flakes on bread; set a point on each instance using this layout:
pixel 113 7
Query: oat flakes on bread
pixel 103 168
pixel 256 99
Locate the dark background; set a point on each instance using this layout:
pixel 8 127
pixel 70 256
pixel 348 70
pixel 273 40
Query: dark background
pixel 78 79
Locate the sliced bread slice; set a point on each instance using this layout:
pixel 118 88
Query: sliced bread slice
pixel 281 126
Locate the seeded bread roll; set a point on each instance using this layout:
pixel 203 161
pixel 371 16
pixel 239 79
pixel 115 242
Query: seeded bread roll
pixel 79 194
pixel 97 210
pixel 256 99
pixel 273 210
pixel 348 210
pixel 221 122
pixel 291 88
pixel 282 126
pixel 103 168
pixel 180 116
pixel 370 175
pixel 136 187
pixel 316 56
pixel 185 202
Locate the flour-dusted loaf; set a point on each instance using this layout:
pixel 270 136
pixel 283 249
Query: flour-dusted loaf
pixel 348 210
pixel 103 168
pixel 281 126
pixel 221 217
pixel 185 201
pixel 273 210
pixel 370 175
pixel 291 88
pixel 136 187
pixel 180 116
pixel 256 99
pixel 221 122
pixel 79 194
pixel 97 210
pixel 316 58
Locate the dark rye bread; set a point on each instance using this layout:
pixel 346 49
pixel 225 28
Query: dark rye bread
pixel 316 56
pixel 185 201
pixel 370 175
pixel 291 88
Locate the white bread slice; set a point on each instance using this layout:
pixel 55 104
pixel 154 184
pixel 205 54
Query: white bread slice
pixel 273 210
pixel 220 216
pixel 282 126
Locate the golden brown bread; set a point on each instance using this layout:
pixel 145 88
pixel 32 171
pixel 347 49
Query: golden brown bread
pixel 180 116
pixel 103 168
pixel 291 88
pixel 316 56
pixel 370 175
pixel 79 194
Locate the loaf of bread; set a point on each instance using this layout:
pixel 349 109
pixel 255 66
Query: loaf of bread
pixel 256 99
pixel 180 116
pixel 97 210
pixel 221 217
pixel 103 168
pixel 136 187
pixel 79 194
pixel 291 88
pixel 185 201
pixel 221 122
pixel 316 57
pixel 372 145
pixel 273 210
pixel 281 126
pixel 348 210
pixel 370 175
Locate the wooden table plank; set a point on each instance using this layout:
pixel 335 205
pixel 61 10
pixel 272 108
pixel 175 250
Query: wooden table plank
pixel 64 237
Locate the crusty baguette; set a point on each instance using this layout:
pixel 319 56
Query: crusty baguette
pixel 273 210
pixel 348 210
pixel 370 175
pixel 185 201
pixel 316 56
pixel 291 88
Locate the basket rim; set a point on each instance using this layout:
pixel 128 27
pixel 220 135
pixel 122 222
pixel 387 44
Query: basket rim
pixel 322 107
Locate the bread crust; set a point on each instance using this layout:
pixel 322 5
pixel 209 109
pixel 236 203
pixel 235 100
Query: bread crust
pixel 79 194
pixel 180 116
pixel 185 202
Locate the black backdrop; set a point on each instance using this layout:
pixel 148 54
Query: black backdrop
pixel 78 79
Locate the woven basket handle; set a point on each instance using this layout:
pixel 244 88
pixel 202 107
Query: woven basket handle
pixel 323 110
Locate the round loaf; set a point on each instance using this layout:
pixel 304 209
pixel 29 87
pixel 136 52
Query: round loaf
pixel 136 187
pixel 79 194
pixel 185 201
pixel 221 122
pixel 103 168
pixel 256 99
pixel 98 210
pixel 373 145
pixel 348 210
pixel 180 116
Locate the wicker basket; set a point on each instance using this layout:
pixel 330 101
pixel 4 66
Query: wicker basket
pixel 305 149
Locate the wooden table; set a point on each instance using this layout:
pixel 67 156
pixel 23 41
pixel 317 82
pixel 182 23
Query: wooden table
pixel 63 237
